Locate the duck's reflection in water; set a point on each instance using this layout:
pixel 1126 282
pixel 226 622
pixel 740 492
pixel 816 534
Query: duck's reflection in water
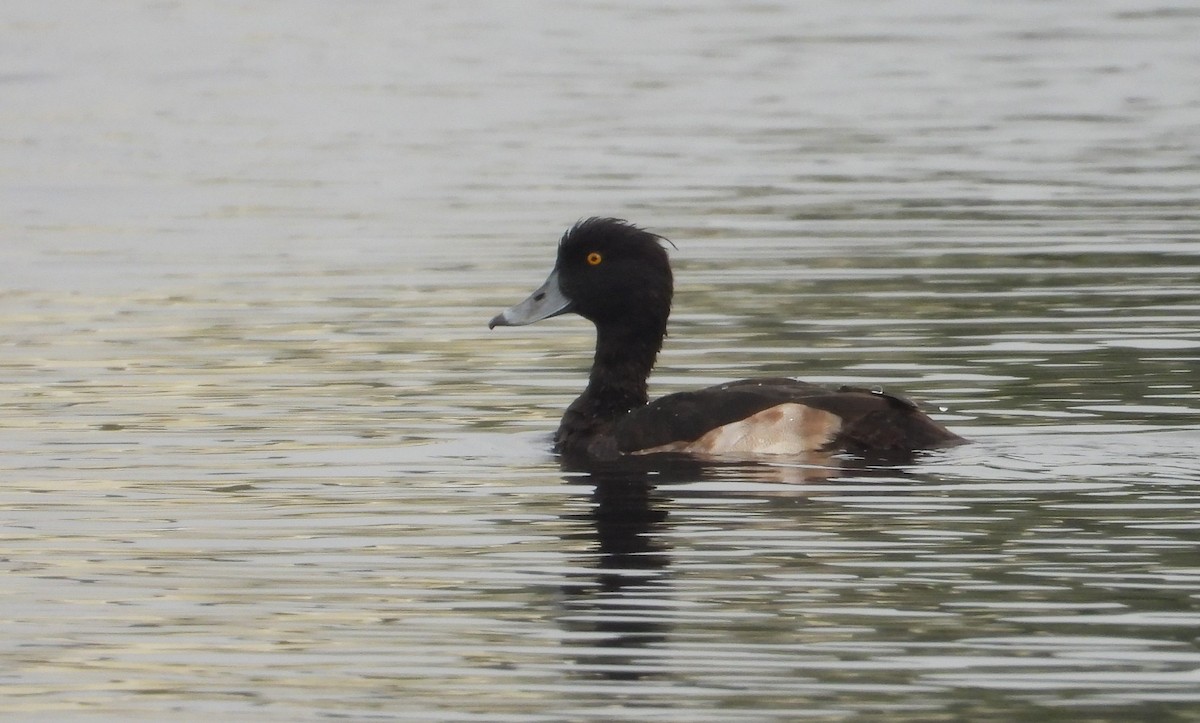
pixel 624 607
pixel 614 615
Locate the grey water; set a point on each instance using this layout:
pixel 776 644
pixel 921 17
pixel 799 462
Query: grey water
pixel 262 458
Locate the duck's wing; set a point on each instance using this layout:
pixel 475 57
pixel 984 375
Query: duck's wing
pixel 780 416
pixel 684 417
pixel 877 423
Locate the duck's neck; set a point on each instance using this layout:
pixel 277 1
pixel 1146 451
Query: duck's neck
pixel 624 357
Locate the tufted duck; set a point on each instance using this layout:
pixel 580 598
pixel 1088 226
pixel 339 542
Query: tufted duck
pixel 617 276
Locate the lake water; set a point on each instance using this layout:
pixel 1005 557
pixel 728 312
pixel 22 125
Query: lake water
pixel 263 459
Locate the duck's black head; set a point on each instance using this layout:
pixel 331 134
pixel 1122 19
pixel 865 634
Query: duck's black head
pixel 608 271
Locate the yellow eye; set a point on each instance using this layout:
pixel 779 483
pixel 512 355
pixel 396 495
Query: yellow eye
pixel 594 259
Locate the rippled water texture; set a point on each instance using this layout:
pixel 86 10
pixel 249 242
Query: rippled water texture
pixel 262 458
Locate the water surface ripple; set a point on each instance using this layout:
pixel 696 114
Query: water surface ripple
pixel 264 460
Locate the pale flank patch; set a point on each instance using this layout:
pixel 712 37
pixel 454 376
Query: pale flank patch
pixel 785 429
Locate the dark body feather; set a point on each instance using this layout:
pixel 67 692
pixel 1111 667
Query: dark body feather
pixel 873 423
